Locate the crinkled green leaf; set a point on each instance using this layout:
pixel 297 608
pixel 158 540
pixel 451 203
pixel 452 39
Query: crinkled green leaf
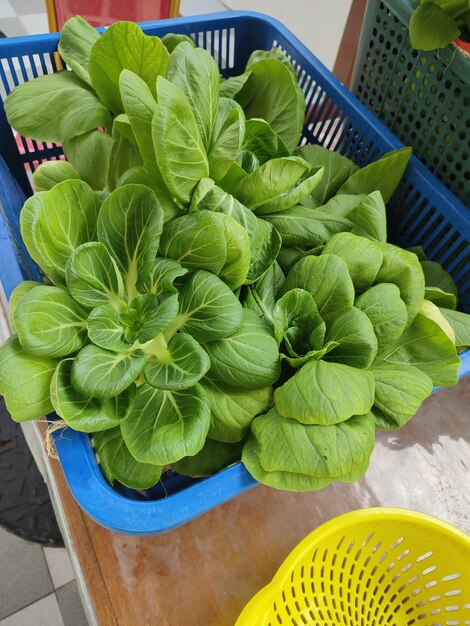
pixel 90 155
pixel 208 308
pixel 362 256
pixel 426 346
pixel 24 381
pixel 124 46
pixel 117 463
pixel 261 139
pixel 248 358
pixel 460 323
pixel 196 241
pixel 162 276
pixel 399 392
pixel 50 173
pixel 195 73
pixel 261 296
pixel 386 310
pixel 104 374
pixel 84 413
pixel 181 156
pixel 165 426
pixel 177 365
pixel 233 409
pixel 354 332
pixel 271 93
pixel 214 456
pixel 93 276
pixel 55 107
pixel 325 393
pixel 77 37
pixel 403 269
pixel 383 175
pixel 337 170
pixel 129 225
pixel 293 196
pixel 227 138
pixel 49 322
pixel 295 304
pixel 326 278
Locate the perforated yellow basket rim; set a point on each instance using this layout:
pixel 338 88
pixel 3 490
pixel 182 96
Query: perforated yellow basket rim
pixel 255 612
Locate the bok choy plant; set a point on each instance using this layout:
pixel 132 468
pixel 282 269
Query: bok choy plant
pixel 212 291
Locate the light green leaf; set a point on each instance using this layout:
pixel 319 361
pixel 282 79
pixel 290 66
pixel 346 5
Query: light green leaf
pixel 49 322
pixel 383 175
pixel 125 159
pixel 117 463
pixel 249 358
pixel 165 426
pixel 208 308
pixel 325 393
pixel 178 365
pixel 292 196
pixel 57 223
pixel 261 140
pixel 232 85
pixel 124 46
pixel 129 225
pixel 298 361
pixel 440 298
pixel 337 170
pixel 369 217
pixel 269 181
pixel 55 107
pixel 195 73
pixel 227 138
pixel 326 278
pixel 354 332
pixel 196 241
pixel 261 296
pixel 362 256
pixel 233 409
pixel 431 27
pixel 17 295
pixel 84 413
pixel 238 252
pixel 162 276
pixel 154 315
pixel 106 329
pixel 403 269
pixel 321 451
pixel 426 346
pixel 271 93
pixel 387 312
pixel 308 228
pixel 399 392
pixel 24 381
pixel 460 323
pixel 122 124
pixel 214 456
pixel 436 276
pixel 274 53
pixel 51 173
pixel 293 308
pixel 90 155
pixel 171 40
pixel 77 37
pixel 181 156
pixel 93 276
pixel 104 374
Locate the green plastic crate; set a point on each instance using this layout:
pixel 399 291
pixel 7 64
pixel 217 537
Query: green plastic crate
pixel 423 97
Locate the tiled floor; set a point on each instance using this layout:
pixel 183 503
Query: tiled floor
pixel 37 585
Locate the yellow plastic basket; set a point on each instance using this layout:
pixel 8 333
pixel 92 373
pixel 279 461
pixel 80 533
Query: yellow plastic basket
pixel 372 567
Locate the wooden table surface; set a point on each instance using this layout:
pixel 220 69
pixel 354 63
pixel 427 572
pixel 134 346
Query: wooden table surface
pixel 203 573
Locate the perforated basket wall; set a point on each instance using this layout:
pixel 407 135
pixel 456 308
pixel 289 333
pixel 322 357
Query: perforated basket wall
pixel 422 212
pixel 423 97
pixel 371 567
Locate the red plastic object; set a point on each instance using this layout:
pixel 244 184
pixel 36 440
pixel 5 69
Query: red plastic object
pixel 463 45
pixel 106 12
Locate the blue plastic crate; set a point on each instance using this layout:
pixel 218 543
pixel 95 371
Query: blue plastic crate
pixel 422 212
